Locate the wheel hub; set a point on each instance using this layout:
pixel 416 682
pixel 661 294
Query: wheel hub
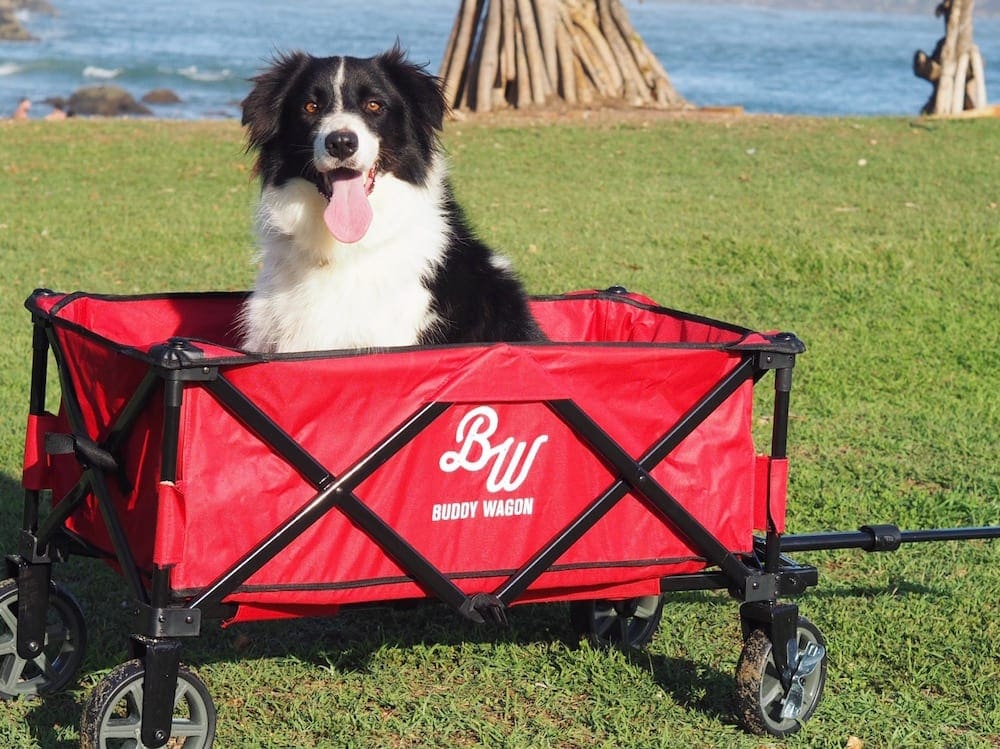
pixel 806 662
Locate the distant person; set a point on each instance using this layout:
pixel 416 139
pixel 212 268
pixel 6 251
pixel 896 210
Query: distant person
pixel 23 106
pixel 57 113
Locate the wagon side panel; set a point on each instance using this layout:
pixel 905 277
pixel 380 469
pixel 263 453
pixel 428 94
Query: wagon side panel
pixel 102 382
pixel 478 492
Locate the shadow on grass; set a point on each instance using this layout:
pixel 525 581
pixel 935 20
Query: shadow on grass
pixel 694 686
pixel 11 495
pixel 49 716
pixel 892 589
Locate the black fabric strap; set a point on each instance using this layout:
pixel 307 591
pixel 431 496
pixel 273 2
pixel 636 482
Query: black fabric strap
pixel 88 452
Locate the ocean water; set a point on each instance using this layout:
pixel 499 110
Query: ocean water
pixel 782 61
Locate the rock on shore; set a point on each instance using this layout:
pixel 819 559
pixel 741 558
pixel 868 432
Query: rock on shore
pixel 105 101
pixel 161 96
pixel 11 29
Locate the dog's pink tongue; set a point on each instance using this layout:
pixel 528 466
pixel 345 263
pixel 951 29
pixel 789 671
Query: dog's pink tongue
pixel 349 214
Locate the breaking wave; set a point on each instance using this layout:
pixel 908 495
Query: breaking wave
pixel 104 74
pixel 205 76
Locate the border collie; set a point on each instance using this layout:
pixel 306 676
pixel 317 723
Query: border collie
pixel 362 244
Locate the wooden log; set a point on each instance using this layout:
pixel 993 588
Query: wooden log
pixel 532 50
pixel 567 71
pixel 509 65
pixel 498 96
pixel 488 59
pixel 547 29
pixel 524 85
pixel 965 25
pixel 456 65
pixel 978 78
pixel 634 87
pixel 964 79
pixel 653 71
pixel 958 87
pixel 583 15
pixel 943 96
pixel 949 61
pixel 449 48
pixel 584 84
pixel 590 62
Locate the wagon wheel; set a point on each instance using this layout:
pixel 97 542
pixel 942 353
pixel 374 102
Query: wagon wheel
pixel 763 703
pixel 62 649
pixel 621 624
pixel 112 717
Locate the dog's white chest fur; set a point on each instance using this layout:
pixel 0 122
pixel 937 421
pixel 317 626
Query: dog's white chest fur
pixel 314 293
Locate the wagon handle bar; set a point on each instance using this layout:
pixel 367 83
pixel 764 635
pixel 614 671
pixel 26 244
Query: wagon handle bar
pixel 886 537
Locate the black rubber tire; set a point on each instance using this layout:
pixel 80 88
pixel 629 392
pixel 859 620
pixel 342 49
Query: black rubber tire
pixel 759 693
pixel 61 654
pixel 112 716
pixel 629 624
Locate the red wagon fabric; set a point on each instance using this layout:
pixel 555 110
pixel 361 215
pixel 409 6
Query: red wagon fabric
pixel 490 475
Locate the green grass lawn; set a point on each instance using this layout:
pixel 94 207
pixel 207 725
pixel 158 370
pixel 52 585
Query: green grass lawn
pixel 876 240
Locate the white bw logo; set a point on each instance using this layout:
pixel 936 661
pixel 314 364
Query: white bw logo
pixel 509 462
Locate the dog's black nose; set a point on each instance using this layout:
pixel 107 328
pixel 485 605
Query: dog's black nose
pixel 342 144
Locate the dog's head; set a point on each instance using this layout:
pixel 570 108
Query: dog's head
pixel 340 123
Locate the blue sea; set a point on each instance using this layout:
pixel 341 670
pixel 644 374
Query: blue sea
pixel 768 60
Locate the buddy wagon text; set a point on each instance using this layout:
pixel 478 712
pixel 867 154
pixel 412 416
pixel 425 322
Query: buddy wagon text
pixel 508 463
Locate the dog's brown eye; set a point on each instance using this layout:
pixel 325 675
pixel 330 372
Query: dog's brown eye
pixel 374 106
pixel 311 107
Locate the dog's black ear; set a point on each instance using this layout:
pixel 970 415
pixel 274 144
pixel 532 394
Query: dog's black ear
pixel 262 106
pixel 419 86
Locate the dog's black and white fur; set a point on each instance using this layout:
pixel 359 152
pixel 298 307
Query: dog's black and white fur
pixel 406 269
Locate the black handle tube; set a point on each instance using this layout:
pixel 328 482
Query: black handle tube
pixel 882 538
pixel 39 367
pixel 782 396
pixel 36 407
pixel 779 451
pixel 952 534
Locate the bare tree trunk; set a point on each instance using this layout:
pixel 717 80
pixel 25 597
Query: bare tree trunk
pixel 528 52
pixel 955 68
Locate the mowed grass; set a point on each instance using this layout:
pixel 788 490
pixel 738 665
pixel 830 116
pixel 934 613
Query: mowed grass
pixel 876 240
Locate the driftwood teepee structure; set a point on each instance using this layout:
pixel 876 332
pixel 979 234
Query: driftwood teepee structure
pixel 955 67
pixel 520 53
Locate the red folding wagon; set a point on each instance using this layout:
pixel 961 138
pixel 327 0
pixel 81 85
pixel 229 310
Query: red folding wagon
pixel 606 467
